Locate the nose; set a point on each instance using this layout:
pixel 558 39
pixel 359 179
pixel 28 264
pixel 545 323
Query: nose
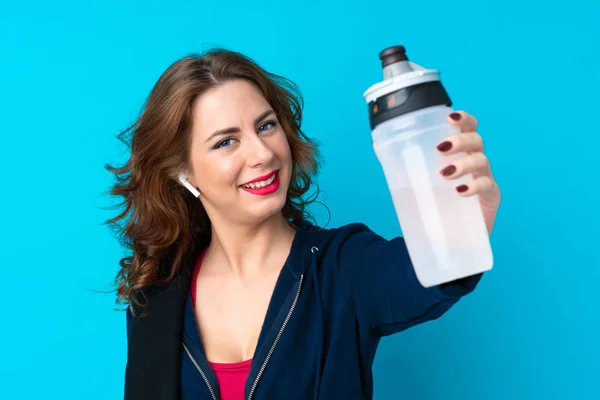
pixel 258 152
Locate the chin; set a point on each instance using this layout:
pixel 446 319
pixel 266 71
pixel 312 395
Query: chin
pixel 268 208
pixel 261 209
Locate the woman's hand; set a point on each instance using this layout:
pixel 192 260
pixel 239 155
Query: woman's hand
pixel 475 162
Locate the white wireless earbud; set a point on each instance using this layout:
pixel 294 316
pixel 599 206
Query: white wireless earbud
pixel 184 181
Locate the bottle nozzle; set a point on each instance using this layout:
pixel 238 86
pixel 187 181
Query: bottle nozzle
pixel 394 61
pixel 392 55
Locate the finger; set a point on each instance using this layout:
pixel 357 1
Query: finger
pixel 479 185
pixel 465 121
pixel 477 164
pixel 464 142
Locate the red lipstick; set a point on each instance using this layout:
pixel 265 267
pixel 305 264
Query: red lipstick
pixel 272 187
pixel 262 178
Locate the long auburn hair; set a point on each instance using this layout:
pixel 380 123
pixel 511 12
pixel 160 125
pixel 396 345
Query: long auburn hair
pixel 160 220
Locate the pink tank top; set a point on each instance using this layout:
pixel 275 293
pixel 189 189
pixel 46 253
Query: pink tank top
pixel 231 376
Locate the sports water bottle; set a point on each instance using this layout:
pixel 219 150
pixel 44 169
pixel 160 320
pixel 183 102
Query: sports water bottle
pixel 445 233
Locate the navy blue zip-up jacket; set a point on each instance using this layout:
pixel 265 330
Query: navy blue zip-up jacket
pixel 340 291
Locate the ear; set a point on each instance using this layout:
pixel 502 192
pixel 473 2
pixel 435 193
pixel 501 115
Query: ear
pixel 184 181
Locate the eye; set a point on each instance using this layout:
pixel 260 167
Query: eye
pixel 266 126
pixel 224 143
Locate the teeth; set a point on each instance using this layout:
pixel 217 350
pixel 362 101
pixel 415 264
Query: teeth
pixel 260 184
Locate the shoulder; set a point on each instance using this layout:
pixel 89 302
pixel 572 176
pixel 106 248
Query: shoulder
pixel 355 242
pixel 357 232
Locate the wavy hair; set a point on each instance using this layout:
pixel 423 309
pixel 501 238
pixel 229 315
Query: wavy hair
pixel 160 221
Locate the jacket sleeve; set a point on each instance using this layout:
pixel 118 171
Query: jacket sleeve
pixel 382 285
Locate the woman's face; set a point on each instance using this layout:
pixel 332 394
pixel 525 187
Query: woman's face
pixel 240 157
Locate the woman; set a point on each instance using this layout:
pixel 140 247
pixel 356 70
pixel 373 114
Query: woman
pixel 232 293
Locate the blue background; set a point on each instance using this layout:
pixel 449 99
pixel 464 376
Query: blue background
pixel 73 75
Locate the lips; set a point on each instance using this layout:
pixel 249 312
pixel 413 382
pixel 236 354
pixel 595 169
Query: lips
pixel 263 185
pixel 258 182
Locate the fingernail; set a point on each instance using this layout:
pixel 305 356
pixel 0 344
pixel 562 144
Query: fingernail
pixel 444 146
pixel 449 170
pixel 455 116
pixel 462 188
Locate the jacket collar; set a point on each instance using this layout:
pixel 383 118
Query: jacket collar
pixel 153 356
pixel 155 341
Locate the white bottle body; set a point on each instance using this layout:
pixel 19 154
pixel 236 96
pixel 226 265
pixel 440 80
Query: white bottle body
pixel 445 233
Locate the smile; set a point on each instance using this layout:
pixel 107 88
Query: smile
pixel 263 185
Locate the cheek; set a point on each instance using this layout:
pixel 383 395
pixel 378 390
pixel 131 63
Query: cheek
pixel 284 153
pixel 213 174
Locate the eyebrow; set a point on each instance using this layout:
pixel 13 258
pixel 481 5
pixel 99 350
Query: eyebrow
pixel 228 131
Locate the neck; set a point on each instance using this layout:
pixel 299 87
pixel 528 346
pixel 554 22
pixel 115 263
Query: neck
pixel 244 249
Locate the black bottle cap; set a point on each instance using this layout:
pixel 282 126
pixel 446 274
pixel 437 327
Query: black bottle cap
pixel 392 55
pixel 406 99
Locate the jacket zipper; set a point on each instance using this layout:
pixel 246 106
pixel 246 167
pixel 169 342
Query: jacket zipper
pixel 212 392
pixel 264 365
pixel 285 322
